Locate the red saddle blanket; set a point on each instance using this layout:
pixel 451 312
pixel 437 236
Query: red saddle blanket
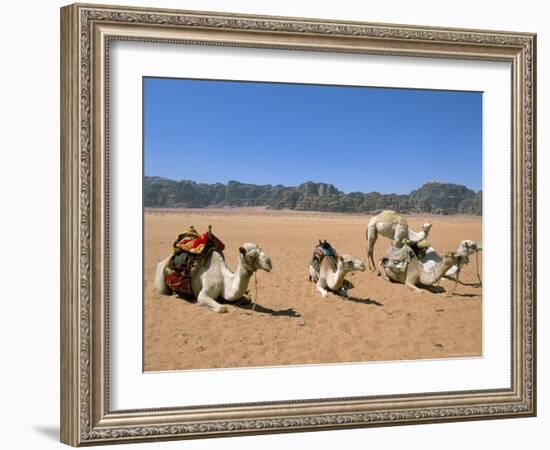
pixel 189 250
pixel 197 245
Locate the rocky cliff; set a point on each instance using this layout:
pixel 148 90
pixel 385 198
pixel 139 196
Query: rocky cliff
pixel 432 197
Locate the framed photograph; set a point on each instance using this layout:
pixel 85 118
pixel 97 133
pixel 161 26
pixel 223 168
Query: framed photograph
pixel 275 224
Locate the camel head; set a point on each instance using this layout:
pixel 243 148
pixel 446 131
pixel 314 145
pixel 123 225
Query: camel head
pixel 468 247
pixel 426 228
pixel 348 263
pixel 254 258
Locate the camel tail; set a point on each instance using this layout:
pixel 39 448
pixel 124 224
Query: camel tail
pixel 160 283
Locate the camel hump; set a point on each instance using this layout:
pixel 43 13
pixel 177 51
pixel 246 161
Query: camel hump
pixel 390 216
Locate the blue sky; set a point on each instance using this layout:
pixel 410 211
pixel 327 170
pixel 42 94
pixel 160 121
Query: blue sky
pixel 357 138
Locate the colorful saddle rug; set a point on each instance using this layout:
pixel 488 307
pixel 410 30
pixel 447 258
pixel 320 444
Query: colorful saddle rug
pixel 191 242
pixel 319 252
pixel 190 250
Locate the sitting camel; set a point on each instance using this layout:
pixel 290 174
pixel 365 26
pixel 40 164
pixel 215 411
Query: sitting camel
pixel 332 273
pixel 214 280
pixel 429 257
pixel 402 265
pixel 394 226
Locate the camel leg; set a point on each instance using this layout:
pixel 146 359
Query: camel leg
pixel 400 233
pixel 477 270
pixel 205 300
pixel 160 283
pixel 412 287
pixel 322 287
pixel 455 279
pixel 372 235
pixel 313 275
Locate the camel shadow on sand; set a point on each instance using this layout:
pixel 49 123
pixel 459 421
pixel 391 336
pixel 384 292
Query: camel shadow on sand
pixel 458 294
pixel 453 293
pixel 432 289
pixel 364 301
pixel 246 304
pixel 442 291
pixel 474 285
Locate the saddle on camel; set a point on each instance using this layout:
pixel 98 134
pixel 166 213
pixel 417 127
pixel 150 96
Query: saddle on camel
pixel 321 250
pixel 190 251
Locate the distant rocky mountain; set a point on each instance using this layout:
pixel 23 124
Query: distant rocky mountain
pixel 433 197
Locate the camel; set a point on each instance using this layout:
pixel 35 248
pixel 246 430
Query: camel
pixel 394 226
pixel 402 265
pixel 429 257
pixel 214 279
pixel 332 274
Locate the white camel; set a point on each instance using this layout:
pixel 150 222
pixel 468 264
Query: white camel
pixel 429 258
pixel 394 226
pixel 402 266
pixel 332 274
pixel 214 279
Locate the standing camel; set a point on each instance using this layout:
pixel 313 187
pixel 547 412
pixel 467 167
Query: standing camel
pixel 214 279
pixel 394 226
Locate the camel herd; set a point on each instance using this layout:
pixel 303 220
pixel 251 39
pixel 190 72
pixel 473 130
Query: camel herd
pixel 409 261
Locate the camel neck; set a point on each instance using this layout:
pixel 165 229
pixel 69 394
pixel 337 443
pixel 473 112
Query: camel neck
pixel 241 279
pixel 336 279
pixel 417 237
pixel 439 270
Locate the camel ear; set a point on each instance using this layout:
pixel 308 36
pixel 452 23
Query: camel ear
pixel 242 251
pixel 320 243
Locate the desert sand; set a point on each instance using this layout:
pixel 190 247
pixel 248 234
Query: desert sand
pixel 291 322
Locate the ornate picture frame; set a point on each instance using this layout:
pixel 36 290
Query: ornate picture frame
pixel 87 32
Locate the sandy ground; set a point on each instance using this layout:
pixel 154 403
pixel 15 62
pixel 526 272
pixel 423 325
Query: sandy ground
pixel 293 324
